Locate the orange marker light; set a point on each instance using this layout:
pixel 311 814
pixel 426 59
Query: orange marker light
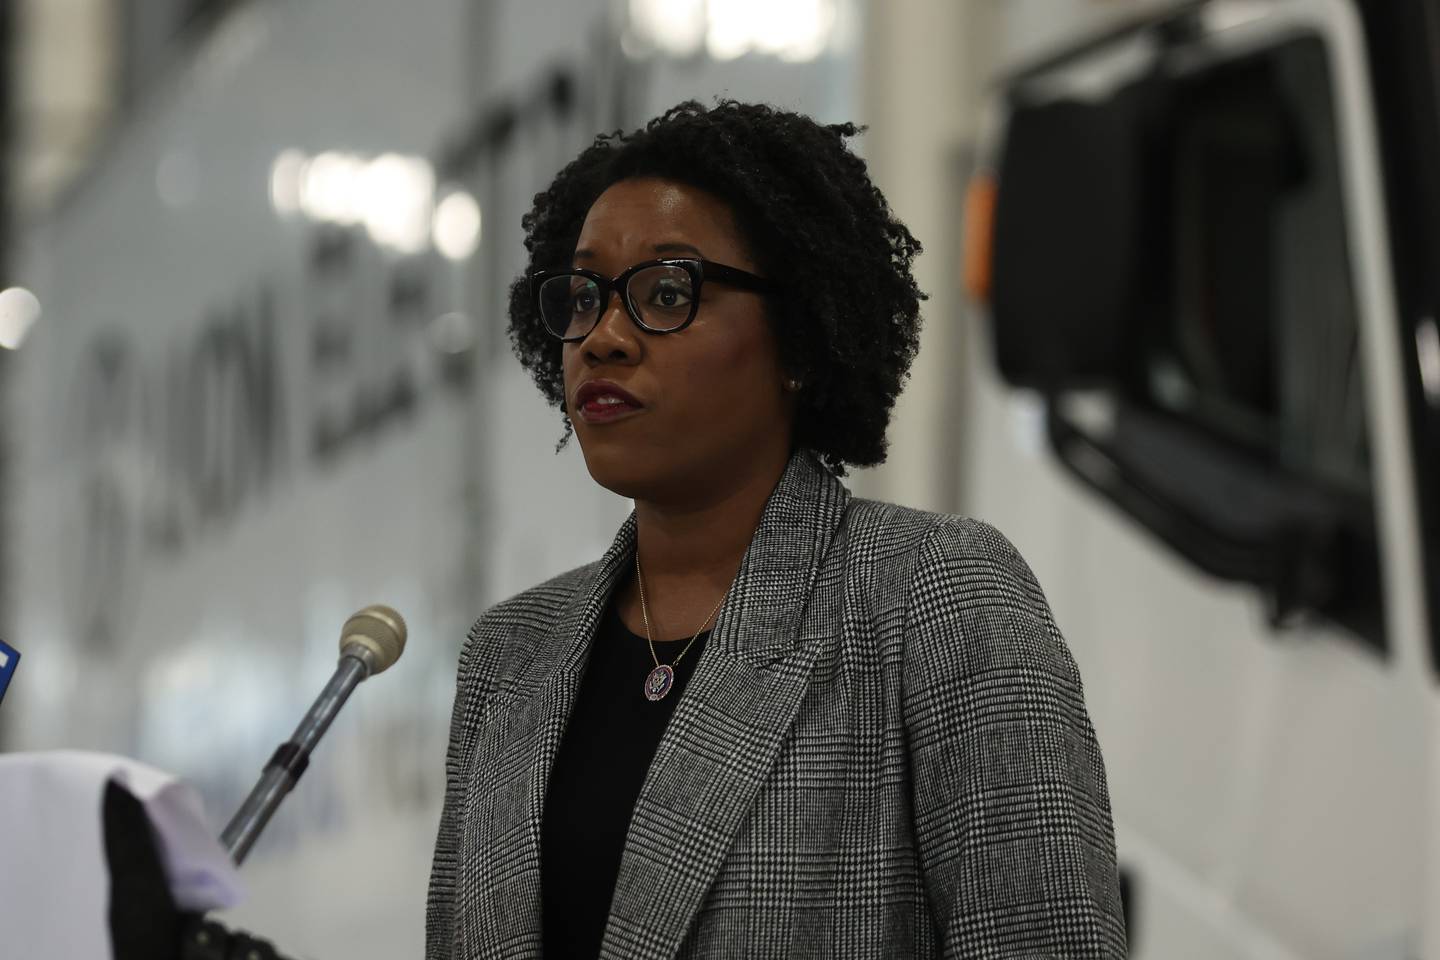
pixel 979 236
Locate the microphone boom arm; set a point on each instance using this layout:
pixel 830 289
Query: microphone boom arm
pixel 371 641
pixel 290 760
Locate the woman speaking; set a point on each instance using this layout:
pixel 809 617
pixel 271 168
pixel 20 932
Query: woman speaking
pixel 772 720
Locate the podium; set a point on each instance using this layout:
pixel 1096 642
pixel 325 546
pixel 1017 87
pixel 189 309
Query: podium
pixel 108 857
pixel 144 920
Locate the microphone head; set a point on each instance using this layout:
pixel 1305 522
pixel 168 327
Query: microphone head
pixel 380 631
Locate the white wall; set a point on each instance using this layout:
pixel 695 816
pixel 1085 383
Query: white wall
pixel 184 557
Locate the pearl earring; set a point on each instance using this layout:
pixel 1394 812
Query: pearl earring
pixel 793 385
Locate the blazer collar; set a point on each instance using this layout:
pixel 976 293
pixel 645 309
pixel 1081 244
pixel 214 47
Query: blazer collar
pixel 761 612
pixel 723 737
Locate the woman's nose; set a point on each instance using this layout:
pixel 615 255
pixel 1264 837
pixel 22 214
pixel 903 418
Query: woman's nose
pixel 615 338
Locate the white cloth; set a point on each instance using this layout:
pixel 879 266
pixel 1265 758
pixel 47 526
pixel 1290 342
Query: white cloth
pixel 54 880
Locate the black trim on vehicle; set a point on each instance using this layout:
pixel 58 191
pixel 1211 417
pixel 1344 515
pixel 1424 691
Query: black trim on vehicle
pixel 1403 41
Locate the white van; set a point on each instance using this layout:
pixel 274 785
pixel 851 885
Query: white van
pixel 1208 412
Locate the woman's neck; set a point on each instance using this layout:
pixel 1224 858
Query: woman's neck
pixel 690 554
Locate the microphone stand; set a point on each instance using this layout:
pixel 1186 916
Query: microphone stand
pixel 293 756
pixel 370 642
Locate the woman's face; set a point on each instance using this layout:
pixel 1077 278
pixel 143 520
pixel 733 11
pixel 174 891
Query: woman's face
pixel 712 406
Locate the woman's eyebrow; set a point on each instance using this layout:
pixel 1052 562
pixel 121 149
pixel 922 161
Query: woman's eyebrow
pixel 676 247
pixel 585 253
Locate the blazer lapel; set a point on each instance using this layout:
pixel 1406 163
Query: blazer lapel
pixel 508 880
pixel 727 730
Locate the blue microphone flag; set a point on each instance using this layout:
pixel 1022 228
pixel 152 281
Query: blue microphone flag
pixel 9 660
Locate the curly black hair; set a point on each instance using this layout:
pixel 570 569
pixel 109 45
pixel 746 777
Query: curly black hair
pixel 847 315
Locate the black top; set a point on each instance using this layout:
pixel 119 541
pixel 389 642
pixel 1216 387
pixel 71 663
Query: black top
pixel 601 764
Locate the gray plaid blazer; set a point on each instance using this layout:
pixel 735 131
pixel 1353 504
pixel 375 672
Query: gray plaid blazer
pixel 883 752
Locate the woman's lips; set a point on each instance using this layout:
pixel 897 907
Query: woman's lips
pixel 600 411
pixel 600 401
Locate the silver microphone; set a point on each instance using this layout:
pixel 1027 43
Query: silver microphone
pixel 371 640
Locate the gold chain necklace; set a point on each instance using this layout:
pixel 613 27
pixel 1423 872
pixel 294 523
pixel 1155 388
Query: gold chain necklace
pixel 659 680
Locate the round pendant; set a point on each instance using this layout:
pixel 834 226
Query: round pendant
pixel 659 681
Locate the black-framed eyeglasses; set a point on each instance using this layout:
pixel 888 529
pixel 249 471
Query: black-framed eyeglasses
pixel 661 296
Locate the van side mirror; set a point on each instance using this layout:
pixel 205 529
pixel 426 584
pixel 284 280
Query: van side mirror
pixel 1067 242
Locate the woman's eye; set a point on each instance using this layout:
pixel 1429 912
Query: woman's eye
pixel 670 295
pixel 585 301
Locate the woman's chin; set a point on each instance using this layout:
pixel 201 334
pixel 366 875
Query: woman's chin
pixel 622 471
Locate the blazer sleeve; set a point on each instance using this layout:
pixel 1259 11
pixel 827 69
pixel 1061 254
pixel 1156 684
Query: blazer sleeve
pixel 1012 813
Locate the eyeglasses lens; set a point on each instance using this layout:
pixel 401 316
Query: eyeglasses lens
pixel 569 305
pixel 662 296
